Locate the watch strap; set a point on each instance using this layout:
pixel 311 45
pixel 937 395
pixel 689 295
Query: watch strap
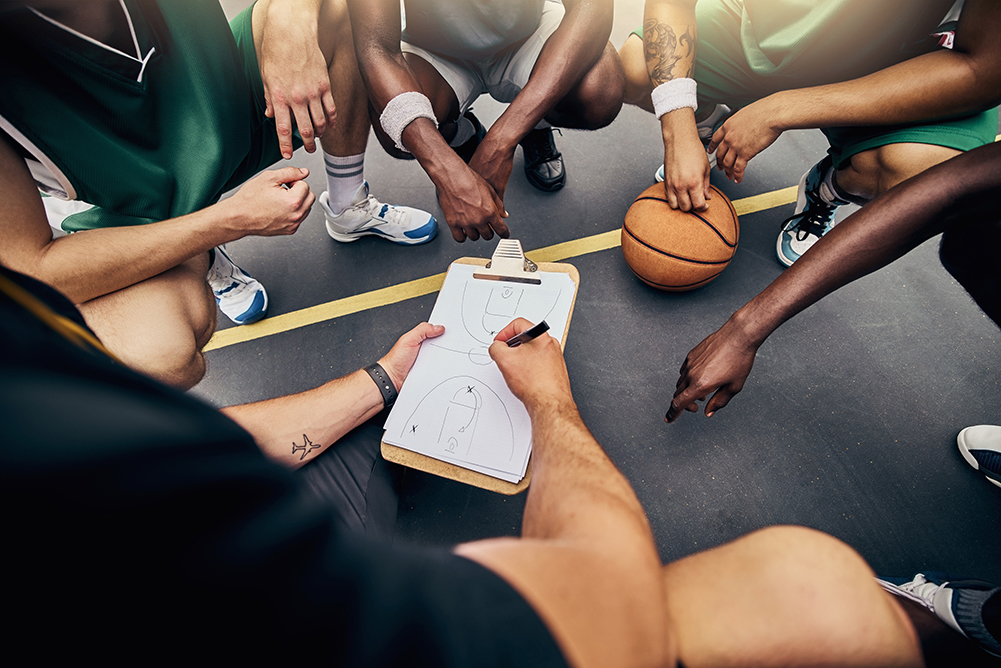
pixel 385 383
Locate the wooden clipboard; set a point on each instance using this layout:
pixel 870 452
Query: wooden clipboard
pixel 507 264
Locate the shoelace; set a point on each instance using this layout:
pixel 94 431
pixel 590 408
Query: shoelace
pixel 922 590
pixel 383 212
pixel 229 286
pixel 814 220
pixel 541 147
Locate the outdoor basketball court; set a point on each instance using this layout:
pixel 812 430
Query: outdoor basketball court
pixel 847 423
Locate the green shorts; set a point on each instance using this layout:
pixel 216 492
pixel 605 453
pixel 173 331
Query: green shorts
pixel 725 77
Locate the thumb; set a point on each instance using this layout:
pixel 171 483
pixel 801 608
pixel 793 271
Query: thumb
pixel 288 174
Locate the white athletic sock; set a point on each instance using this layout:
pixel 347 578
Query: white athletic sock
pixel 345 175
pixel 542 125
pixel 463 133
pixel 828 191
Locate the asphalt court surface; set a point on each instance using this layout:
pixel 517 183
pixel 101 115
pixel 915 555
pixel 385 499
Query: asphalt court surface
pixel 847 423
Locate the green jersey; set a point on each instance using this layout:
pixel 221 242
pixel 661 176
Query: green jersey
pixel 155 131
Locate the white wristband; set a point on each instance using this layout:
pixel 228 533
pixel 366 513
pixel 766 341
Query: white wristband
pixel 674 94
pixel 401 111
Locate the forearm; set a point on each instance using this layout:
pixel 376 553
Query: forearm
pixel 94 263
pixel 572 50
pixel 881 232
pixel 386 75
pixel 577 493
pixel 295 429
pixel 670 38
pixel 933 86
pixel 944 83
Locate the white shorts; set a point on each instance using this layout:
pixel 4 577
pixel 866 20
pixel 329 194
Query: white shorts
pixel 503 75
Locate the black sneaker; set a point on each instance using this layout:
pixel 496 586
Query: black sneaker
pixel 543 163
pixel 467 149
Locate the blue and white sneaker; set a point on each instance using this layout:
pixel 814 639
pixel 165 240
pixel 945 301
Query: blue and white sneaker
pixel 980 446
pixel 958 603
pixel 240 296
pixel 816 206
pixel 707 128
pixel 367 215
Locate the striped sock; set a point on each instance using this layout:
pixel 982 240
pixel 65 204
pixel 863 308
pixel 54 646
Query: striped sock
pixel 345 175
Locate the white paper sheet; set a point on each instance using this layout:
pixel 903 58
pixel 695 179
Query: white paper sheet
pixel 455 405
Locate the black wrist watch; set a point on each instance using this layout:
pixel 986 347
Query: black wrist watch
pixel 384 382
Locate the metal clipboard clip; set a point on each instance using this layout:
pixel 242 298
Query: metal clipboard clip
pixel 509 264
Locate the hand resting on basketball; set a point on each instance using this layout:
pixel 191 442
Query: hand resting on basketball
pixel 686 168
pixel 717 366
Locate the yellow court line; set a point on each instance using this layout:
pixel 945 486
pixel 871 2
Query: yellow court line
pixel 424 286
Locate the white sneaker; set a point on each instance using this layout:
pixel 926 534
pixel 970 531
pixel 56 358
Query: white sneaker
pixel 367 215
pixel 240 296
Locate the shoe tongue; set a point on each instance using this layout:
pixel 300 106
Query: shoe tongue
pixel 360 195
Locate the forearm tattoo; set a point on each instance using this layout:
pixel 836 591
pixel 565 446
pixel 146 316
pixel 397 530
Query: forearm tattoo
pixel 665 50
pixel 306 447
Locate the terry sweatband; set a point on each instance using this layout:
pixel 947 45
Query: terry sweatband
pixel 674 94
pixel 401 111
pixel 384 382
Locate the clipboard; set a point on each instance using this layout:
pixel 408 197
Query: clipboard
pixel 507 264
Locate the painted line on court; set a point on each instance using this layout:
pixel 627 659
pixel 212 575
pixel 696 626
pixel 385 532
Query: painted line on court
pixel 424 286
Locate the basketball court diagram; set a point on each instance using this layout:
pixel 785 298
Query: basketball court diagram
pixel 463 418
pixel 486 308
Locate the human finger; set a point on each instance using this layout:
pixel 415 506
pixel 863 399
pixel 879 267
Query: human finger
pixel 513 328
pixel 305 125
pixel 318 117
pixel 329 108
pixel 739 166
pixel 682 401
pixel 697 196
pixel 672 198
pixel 719 400
pixel 288 175
pixel 717 138
pixel 684 202
pixel 283 125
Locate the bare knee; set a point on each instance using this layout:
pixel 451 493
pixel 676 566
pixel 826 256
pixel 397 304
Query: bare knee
pixel 180 366
pixel 871 173
pixel 596 100
pixel 335 28
pixel 159 326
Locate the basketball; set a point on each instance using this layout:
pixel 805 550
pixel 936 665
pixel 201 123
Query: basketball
pixel 677 251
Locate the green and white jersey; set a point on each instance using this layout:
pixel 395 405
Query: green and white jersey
pixel 157 131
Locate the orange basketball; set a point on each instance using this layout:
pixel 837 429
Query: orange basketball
pixel 677 251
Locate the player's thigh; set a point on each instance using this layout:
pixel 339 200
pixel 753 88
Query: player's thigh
pixel 888 165
pixel 160 325
pixel 785 596
pixel 596 99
